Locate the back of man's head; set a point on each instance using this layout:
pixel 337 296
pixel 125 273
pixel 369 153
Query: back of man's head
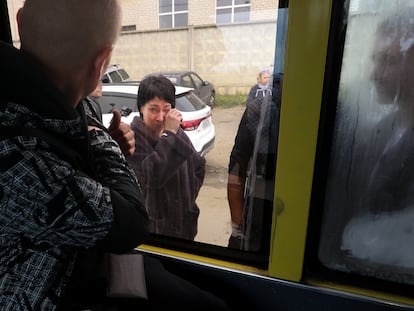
pixel 68 33
pixel 71 39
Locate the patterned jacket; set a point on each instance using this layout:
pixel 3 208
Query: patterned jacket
pixel 50 208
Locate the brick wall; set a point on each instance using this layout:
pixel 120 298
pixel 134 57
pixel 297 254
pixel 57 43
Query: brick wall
pixel 201 12
pixel 263 9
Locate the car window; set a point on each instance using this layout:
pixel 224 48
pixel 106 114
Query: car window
pixel 115 77
pixel 109 102
pixel 197 81
pixel 186 81
pixel 172 79
pixel 188 102
pixel 123 74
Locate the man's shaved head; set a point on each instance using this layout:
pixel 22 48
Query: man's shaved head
pixel 69 31
pixel 71 39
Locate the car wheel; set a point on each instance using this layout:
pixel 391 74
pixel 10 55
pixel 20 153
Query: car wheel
pixel 211 100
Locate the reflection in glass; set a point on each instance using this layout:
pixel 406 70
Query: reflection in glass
pixel 369 204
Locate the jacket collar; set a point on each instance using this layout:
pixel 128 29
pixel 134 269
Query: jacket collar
pixel 23 82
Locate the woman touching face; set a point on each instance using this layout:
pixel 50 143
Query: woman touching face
pixel 159 116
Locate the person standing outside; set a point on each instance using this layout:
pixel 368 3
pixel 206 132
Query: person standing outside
pixel 179 292
pixel 369 196
pixel 52 208
pixel 251 172
pixel 167 165
pixel 386 164
pixel 262 87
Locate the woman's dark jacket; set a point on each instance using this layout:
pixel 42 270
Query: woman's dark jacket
pixel 171 173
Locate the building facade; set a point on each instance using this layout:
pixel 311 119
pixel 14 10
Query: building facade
pixel 225 41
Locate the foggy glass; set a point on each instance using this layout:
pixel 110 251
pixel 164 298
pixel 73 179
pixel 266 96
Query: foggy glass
pixel 368 219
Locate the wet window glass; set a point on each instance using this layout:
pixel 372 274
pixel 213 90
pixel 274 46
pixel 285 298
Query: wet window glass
pixel 368 215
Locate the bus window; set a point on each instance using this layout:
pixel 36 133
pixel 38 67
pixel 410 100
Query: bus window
pixel 368 226
pixel 229 53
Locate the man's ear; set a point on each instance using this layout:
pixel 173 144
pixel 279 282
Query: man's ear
pixel 101 61
pixel 19 21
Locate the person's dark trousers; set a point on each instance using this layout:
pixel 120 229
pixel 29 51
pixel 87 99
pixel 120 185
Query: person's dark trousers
pixel 166 291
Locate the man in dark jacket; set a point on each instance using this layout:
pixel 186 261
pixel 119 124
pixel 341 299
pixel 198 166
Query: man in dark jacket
pixel 91 104
pixel 54 205
pixel 262 87
pixel 251 169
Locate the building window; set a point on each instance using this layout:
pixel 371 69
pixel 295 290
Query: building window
pixel 129 28
pixel 232 11
pixel 173 13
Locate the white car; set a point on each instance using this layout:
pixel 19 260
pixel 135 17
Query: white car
pixel 197 121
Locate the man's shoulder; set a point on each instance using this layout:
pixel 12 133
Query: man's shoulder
pixel 254 88
pixel 92 108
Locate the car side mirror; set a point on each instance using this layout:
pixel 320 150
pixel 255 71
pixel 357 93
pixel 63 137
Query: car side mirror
pixel 105 80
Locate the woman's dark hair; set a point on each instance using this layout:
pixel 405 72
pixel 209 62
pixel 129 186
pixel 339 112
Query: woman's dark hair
pixel 155 86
